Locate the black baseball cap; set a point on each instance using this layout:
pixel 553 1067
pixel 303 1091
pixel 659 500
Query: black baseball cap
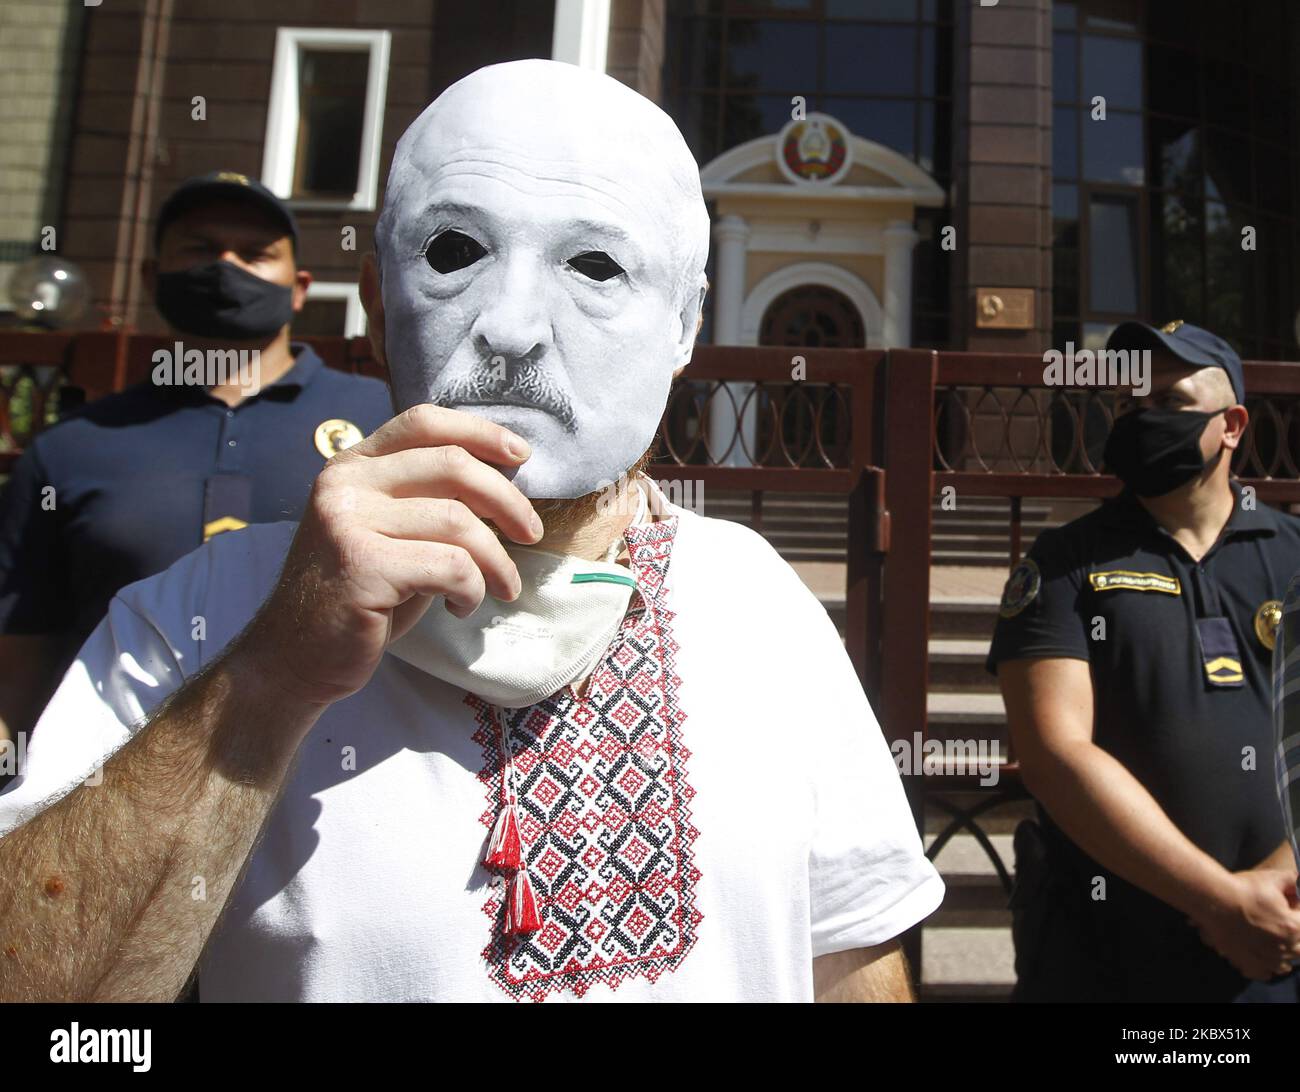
pixel 224 185
pixel 1198 347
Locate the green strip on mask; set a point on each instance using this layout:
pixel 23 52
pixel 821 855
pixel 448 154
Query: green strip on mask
pixel 603 578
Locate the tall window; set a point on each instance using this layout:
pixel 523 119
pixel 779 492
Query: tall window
pixel 331 114
pixel 1152 206
pixel 883 67
pixel 324 123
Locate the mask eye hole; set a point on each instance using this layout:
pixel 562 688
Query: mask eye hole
pixel 452 250
pixel 597 265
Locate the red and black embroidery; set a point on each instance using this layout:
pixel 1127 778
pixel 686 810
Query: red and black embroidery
pixel 603 808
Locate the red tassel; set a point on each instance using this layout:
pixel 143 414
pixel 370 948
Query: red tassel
pixel 521 909
pixel 503 846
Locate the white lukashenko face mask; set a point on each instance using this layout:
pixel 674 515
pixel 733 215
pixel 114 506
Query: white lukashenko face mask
pixel 516 654
pixel 541 251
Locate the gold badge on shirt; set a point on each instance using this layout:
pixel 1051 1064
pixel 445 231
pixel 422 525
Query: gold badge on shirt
pixel 1267 619
pixel 336 435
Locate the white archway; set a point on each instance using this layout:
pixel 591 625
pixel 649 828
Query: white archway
pixel 801 274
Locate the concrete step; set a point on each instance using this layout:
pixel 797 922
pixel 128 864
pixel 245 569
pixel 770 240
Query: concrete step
pixel 963 616
pixel 991 506
pixel 1030 508
pixel 953 650
pixel 989 523
pixel 983 906
pixel 725 507
pixel 962 855
pixel 818 520
pixel 805 525
pixel 992 530
pixel 966 717
pixel 992 558
pixel 966 949
pixel 805 534
pixel 737 497
pixel 967 959
pixel 951 538
pixel 957 664
pixel 975 710
pixel 962 679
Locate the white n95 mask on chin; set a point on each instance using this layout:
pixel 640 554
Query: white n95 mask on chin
pixel 516 654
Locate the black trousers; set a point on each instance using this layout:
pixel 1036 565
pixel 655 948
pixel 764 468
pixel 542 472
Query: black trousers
pixel 1130 947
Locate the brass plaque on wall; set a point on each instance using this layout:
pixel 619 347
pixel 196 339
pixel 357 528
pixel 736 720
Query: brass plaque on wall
pixel 1004 308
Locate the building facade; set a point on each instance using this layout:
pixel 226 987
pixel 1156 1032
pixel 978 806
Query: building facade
pixel 934 173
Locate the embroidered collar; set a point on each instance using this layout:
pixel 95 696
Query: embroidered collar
pixel 589 812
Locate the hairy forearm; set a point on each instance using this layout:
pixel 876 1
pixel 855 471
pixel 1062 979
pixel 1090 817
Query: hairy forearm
pixel 1111 816
pixel 863 974
pixel 111 893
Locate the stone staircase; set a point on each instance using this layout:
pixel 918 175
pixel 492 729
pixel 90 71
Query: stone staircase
pixel 977 531
pixel 966 949
pixel 814 527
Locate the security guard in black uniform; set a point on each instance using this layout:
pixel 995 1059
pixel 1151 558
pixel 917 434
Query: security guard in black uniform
pixel 1133 649
pixel 128 484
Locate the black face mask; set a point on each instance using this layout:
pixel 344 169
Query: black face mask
pixel 1154 451
pixel 220 300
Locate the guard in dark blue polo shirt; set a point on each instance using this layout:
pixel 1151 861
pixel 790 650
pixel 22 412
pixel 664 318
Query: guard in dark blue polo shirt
pixel 1134 648
pixel 232 427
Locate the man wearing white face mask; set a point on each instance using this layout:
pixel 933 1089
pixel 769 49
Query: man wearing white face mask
pixel 627 759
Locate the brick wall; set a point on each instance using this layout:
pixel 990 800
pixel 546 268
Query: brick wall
pixel 636 45
pixel 1003 101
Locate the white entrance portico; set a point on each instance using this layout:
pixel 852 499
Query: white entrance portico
pixel 812 205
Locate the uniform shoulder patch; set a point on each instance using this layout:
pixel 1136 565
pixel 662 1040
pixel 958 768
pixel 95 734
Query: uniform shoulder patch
pixel 1021 588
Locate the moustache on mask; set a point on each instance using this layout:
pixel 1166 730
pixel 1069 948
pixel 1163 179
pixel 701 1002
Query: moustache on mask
pixel 521 383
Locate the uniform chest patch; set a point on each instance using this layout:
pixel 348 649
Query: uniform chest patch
pixel 1021 588
pixel 1126 580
